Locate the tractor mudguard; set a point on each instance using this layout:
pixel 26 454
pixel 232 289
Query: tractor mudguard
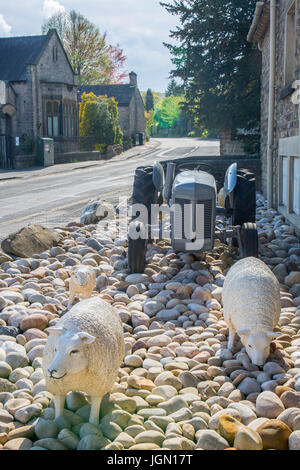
pixel 230 180
pixel 158 177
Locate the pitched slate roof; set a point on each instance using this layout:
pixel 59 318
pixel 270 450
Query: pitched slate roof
pixel 18 52
pixel 122 93
pixel 261 21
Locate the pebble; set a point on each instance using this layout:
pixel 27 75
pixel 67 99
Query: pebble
pixel 228 427
pixel 274 434
pixel 210 440
pixel 294 441
pixel 247 439
pixel 178 384
pixel 21 443
pixel 269 405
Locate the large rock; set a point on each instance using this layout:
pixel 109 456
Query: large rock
pixel 30 240
pixel 97 211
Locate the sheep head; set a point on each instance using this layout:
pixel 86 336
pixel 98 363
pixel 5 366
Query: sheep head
pixel 70 352
pixel 257 344
pixel 83 275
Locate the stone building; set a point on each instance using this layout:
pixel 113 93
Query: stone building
pixel 38 93
pixel 130 103
pixel 276 32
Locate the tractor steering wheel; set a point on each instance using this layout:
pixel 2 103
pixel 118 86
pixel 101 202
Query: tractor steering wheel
pixel 192 166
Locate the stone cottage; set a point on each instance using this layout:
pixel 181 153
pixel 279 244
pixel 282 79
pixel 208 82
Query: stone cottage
pixel 275 30
pixel 130 103
pixel 38 92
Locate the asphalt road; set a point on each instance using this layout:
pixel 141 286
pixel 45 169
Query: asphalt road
pixel 58 197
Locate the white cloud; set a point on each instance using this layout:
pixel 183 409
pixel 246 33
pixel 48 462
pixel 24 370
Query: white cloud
pixel 139 26
pixel 5 28
pixel 51 7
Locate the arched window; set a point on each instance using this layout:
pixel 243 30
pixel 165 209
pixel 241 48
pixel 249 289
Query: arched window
pixel 53 118
pixel 70 119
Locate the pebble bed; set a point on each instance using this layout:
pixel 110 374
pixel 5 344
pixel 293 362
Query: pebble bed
pixel 179 387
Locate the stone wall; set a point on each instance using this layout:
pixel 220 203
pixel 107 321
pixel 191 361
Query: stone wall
pixel 140 122
pixel 228 146
pixel 132 117
pixel 22 162
pixel 286 112
pixel 124 120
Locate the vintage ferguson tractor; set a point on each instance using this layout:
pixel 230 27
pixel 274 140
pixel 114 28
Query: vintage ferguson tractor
pixel 189 190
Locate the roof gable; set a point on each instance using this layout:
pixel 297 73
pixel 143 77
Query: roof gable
pixel 260 22
pixel 18 52
pixel 123 94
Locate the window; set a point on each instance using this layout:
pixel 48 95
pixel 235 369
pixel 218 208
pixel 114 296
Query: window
pixel 53 117
pixel 296 185
pixel 55 54
pixel 70 119
pixel 284 181
pixel 290 184
pixel 290 45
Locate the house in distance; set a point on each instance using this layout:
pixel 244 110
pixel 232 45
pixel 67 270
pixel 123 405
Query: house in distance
pixel 38 91
pixel 130 103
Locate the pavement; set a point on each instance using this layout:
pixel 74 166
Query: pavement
pixel 7 175
pixel 56 195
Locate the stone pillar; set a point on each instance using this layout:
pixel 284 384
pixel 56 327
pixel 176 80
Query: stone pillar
pixel 229 146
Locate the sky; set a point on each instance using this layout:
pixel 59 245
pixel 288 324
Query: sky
pixel 139 26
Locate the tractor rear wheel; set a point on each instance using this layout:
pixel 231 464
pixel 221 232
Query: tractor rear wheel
pixel 137 251
pixel 244 198
pixel 144 191
pixel 249 238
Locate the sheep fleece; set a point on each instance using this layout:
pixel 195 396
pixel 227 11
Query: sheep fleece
pixel 251 296
pixel 105 355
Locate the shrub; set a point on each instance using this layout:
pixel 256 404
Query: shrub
pixel 127 142
pixel 101 148
pixel 98 118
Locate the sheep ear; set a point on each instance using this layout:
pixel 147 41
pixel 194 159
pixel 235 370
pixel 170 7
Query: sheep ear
pixel 86 338
pixel 273 334
pixel 243 332
pixel 55 331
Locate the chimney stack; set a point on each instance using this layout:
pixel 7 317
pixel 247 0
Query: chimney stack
pixel 133 79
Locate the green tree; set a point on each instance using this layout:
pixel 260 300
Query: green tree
pixel 91 57
pixel 174 89
pixel 157 97
pixel 220 69
pixel 149 100
pixel 168 114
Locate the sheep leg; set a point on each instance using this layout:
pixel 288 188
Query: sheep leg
pixel 95 410
pixel 88 294
pixel 231 339
pixel 59 405
pixel 71 300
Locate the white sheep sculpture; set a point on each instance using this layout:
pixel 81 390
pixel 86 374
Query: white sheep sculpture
pixel 83 353
pixel 251 304
pixel 82 282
